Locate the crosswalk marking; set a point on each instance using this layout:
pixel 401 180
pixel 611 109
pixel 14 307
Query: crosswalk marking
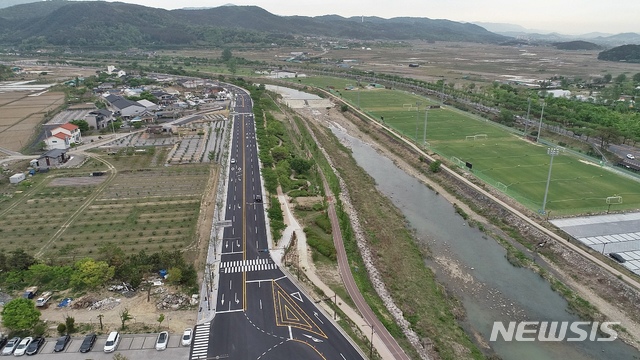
pixel 236 266
pixel 201 341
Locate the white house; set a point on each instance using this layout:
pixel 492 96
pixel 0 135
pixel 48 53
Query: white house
pixel 70 130
pixel 58 141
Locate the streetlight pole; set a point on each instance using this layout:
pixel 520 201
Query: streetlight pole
pixel 540 125
pixel 551 152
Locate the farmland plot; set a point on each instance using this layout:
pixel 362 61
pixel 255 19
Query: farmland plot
pixel 21 115
pixel 71 215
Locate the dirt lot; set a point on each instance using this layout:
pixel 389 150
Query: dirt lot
pixel 144 314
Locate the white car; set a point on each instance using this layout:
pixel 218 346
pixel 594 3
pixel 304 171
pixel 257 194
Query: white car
pixel 161 342
pixel 22 347
pixel 187 336
pixel 630 156
pixel 11 346
pixel 233 161
pixel 112 342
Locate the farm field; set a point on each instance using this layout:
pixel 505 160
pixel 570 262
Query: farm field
pixel 21 115
pixel 66 213
pixel 503 160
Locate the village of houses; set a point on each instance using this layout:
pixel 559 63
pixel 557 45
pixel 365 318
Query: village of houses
pixel 187 114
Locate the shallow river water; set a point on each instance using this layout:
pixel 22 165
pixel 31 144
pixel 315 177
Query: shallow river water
pixel 475 268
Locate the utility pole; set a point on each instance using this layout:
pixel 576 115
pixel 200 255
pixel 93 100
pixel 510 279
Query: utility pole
pixel 540 125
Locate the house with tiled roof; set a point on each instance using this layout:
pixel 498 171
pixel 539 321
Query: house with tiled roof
pixel 63 137
pixel 58 141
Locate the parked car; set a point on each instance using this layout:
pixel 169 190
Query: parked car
pixel 87 343
pixel 11 346
pixel 35 346
pixel 630 156
pixel 62 343
pixel 3 340
pixel 161 342
pixel 187 336
pixel 112 342
pixel 22 346
pixel 617 257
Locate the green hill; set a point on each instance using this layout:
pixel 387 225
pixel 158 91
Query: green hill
pixel 576 45
pixel 113 24
pixel 628 53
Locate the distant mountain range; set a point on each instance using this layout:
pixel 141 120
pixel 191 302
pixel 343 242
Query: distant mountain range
pixel 115 24
pixel 541 36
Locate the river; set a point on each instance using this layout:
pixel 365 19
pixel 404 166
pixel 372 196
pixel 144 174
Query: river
pixel 475 268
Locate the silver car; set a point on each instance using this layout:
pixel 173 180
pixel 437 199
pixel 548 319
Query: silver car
pixel 11 346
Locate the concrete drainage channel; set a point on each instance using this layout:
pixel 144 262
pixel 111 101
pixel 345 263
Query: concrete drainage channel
pixel 133 346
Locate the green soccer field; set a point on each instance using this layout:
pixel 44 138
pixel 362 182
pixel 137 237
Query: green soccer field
pixel 502 159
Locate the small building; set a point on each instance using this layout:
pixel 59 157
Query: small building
pixel 99 119
pixel 16 178
pixel 51 158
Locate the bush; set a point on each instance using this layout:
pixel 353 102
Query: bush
pixel 435 166
pixel 62 328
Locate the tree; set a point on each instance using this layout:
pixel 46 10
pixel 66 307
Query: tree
pixel 160 320
pixel 20 314
pixel 300 166
pixel 174 275
pixel 636 78
pixel 89 274
pixel 70 323
pixel 124 317
pixel 82 124
pixel 607 78
pixel 435 166
pixel 226 55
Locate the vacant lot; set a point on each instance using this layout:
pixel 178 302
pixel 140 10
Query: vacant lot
pixel 21 115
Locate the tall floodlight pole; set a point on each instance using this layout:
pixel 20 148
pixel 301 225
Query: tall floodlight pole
pixel 551 152
pixel 417 119
pixel 424 131
pixel 540 125
pixel 358 85
pixel 526 123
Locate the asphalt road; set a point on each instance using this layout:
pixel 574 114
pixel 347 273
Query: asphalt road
pixel 260 313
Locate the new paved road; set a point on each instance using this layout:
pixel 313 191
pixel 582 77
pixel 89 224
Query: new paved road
pixel 260 313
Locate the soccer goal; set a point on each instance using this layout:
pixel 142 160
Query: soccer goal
pixel 502 187
pixel 613 200
pixel 458 162
pixel 476 137
pixel 409 107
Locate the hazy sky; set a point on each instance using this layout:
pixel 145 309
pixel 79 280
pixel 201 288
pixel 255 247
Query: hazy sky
pixel 565 16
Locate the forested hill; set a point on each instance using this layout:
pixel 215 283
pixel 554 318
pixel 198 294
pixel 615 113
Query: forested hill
pixel 576 45
pixel 628 53
pixel 101 24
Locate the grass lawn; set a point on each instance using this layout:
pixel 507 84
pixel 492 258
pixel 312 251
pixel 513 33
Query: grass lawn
pixel 502 158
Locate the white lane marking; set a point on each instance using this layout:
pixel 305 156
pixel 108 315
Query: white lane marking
pixel 290 334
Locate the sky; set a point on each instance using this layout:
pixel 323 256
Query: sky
pixel 570 17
